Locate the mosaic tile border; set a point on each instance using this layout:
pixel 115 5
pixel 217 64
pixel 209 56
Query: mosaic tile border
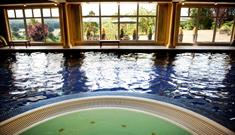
pixel 195 123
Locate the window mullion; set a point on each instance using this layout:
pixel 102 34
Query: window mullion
pixel 25 25
pixel 215 27
pixel 50 12
pixel 42 19
pixel 100 19
pixel 137 22
pixel 155 25
pixel 197 23
pixel 231 38
pixel 15 13
pixel 118 21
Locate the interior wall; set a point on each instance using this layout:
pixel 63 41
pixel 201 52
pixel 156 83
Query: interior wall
pixel 75 23
pixel 118 0
pixel 64 25
pixel 176 24
pixel 233 37
pixel 3 26
pixel 163 23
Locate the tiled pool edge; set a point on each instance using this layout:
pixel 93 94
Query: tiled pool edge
pixel 192 121
pixel 33 105
pixel 122 49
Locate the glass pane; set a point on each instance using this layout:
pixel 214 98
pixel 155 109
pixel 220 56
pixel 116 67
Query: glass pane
pixel 146 28
pixel 19 13
pixel 222 12
pixel 109 28
pixel 28 13
pixel 127 28
pixel 193 11
pixel 205 29
pixel 187 30
pixel 52 30
pixel 17 29
pixel 128 8
pixel 91 28
pixel 36 30
pixel 46 12
pixel 214 12
pixel 36 12
pixel 147 8
pixel 90 9
pixel 231 12
pixel 184 12
pixel 11 13
pixel 55 12
pixel 109 8
pixel 206 12
pixel 226 12
pixel 224 30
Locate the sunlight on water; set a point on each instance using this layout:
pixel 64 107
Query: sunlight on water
pixel 200 72
pixel 37 72
pixel 125 72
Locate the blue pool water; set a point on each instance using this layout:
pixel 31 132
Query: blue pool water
pixel 201 82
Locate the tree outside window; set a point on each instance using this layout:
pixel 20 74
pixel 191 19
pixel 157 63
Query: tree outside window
pixel 35 25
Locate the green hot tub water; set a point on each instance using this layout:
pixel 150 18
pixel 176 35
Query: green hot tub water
pixel 106 122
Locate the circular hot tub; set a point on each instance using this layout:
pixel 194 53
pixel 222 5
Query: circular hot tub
pixel 107 121
pixel 115 115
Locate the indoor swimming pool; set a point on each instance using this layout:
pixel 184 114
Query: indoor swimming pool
pixel 201 82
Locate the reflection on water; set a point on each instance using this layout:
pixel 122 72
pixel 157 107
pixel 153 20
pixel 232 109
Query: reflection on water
pixel 129 72
pixel 202 82
pixel 201 75
pixel 38 72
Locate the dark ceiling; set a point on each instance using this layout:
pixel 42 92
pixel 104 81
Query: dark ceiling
pixel 47 1
pixel 23 1
pixel 229 1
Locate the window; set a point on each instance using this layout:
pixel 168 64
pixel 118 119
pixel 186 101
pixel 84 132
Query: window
pixel 147 21
pixel 188 25
pixel 46 12
pixel 225 22
pixel 91 29
pixel 125 21
pixel 35 24
pixel 90 9
pixel 128 28
pixel 16 24
pixel 128 9
pixel 54 12
pixel 28 13
pixel 206 25
pixel 11 13
pixel 147 28
pixel 109 28
pixel 109 9
pixel 36 12
pixel 19 13
pixel 17 28
pixel 147 9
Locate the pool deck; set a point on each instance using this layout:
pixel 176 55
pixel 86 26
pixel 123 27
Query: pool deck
pixel 120 49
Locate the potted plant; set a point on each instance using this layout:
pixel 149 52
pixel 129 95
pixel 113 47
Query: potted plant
pixel 37 31
pixel 150 34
